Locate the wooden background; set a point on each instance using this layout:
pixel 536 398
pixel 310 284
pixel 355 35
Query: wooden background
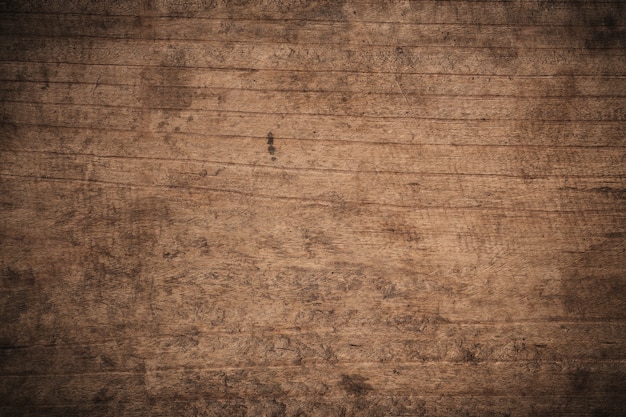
pixel 312 208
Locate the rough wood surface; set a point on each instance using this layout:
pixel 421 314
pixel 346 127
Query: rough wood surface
pixel 312 208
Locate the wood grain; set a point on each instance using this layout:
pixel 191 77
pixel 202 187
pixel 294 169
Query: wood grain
pixel 312 208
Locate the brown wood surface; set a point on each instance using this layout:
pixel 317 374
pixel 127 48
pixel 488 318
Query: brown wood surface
pixel 312 208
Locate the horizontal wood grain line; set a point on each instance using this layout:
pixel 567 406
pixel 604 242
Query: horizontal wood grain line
pixel 103 42
pixel 305 43
pixel 145 14
pixel 404 104
pixel 13 86
pixel 43 83
pixel 601 166
pixel 231 350
pixel 459 379
pixel 295 168
pixel 313 139
pixel 331 21
pixel 409 116
pixel 256 195
pixel 147 17
pixel 290 198
pixel 418 363
pixel 191 15
pixel 303 58
pixel 516 326
pixel 316 70
pixel 371 395
pixel 548 77
pixel 169 330
pixel 324 139
pixel 404 364
pixel 329 398
pixel 519 327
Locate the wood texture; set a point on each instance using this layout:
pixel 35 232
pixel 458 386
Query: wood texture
pixel 312 208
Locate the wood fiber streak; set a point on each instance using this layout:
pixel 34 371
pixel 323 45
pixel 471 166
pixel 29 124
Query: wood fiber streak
pixel 312 208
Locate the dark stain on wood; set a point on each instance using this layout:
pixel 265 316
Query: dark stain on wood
pixel 270 143
pixel 593 284
pixel 12 277
pixel 608 32
pixel 355 384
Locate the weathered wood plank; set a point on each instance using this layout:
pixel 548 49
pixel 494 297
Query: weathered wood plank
pixel 312 32
pixel 179 134
pixel 398 105
pixel 284 81
pixel 351 406
pixel 295 57
pixel 267 383
pixel 538 344
pixel 595 15
pixel 169 124
pixel 294 155
pixel 418 190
